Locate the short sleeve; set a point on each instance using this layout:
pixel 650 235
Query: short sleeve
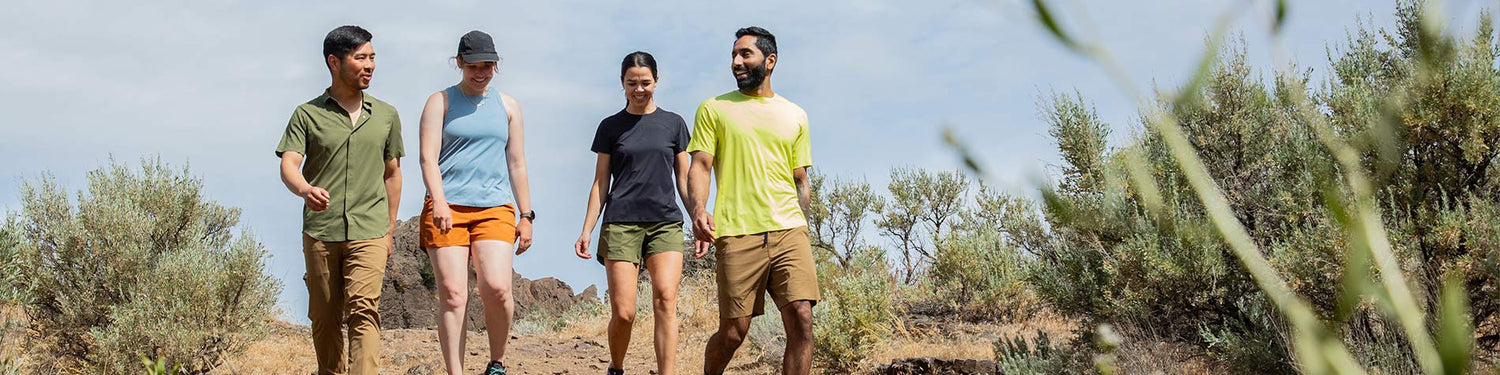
pixel 294 138
pixel 802 147
pixel 683 138
pixel 394 147
pixel 604 143
pixel 705 130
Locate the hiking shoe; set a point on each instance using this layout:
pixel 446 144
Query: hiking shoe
pixel 614 371
pixel 495 368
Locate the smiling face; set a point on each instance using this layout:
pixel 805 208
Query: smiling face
pixel 356 69
pixel 477 75
pixel 749 65
pixel 639 84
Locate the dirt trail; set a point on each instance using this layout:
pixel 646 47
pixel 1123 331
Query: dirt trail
pixel 415 351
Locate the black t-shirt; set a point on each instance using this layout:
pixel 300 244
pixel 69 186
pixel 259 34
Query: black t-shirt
pixel 642 156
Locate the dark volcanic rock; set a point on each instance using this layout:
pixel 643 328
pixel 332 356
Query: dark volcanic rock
pixel 408 297
pixel 425 368
pixel 929 365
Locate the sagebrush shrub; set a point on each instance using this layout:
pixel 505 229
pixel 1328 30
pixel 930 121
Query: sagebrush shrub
pixel 141 265
pixel 1120 250
pixel 857 311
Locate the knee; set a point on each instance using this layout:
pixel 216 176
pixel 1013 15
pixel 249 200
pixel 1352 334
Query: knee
pixel 501 293
pixel 623 316
pixel 363 310
pixel 454 298
pixel 804 313
pixel 734 333
pixel 800 321
pixel 664 300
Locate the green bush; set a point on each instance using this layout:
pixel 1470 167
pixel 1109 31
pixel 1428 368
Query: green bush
pixel 1128 240
pixel 1037 356
pixel 14 289
pixel 143 265
pixel 544 321
pixel 979 272
pixel 857 311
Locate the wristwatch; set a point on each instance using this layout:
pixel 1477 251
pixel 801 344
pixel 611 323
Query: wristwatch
pixel 529 215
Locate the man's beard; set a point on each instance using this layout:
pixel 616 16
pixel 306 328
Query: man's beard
pixel 754 76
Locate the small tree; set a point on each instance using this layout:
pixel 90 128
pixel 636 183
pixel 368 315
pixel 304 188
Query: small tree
pixel 922 207
pixel 839 212
pixel 143 265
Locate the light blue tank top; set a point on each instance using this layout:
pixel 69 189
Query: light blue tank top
pixel 472 160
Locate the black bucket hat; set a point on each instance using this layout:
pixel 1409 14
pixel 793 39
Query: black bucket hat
pixel 476 46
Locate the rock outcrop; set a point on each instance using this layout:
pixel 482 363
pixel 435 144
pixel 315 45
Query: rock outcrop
pixel 408 298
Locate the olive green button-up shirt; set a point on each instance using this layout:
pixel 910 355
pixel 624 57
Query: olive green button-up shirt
pixel 348 160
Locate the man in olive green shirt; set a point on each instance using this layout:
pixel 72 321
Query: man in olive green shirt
pixel 350 184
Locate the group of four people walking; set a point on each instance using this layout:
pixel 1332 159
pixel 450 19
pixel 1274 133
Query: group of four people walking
pixel 340 153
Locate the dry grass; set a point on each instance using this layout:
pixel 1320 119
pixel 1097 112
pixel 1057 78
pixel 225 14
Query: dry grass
pixel 956 340
pixel 698 318
pixel 1139 354
pixel 1144 356
pixel 14 336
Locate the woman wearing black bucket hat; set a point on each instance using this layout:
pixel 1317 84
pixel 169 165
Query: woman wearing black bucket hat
pixel 474 166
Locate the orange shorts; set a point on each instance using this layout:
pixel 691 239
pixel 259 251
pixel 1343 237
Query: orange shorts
pixel 469 224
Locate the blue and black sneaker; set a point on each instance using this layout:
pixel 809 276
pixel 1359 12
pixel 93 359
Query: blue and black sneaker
pixel 614 371
pixel 495 368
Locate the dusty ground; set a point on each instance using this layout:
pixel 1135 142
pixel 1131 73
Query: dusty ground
pixel 416 352
pixel 580 349
pixel 409 351
pixel 577 348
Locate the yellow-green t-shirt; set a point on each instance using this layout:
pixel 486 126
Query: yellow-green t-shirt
pixel 756 143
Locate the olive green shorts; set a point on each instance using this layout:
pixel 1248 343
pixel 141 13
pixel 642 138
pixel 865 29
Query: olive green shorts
pixel 634 242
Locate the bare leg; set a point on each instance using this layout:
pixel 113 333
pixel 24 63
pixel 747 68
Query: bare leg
pixel 722 345
pixel 622 278
pixel 666 275
pixel 450 266
pixel 492 268
pixel 797 317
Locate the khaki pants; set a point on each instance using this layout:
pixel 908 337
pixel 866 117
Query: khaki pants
pixel 344 278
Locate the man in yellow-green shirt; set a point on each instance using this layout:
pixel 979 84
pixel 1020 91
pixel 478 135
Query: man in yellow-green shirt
pixel 757 144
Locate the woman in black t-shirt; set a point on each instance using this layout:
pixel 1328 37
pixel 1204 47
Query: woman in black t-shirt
pixel 642 150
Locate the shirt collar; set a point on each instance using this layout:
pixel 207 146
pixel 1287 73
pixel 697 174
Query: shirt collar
pixel 365 97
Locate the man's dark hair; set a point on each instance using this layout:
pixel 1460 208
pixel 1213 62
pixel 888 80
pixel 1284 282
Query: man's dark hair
pixel 638 59
pixel 343 40
pixel 763 39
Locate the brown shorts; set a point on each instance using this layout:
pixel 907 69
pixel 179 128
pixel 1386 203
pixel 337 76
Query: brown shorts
pixel 748 266
pixel 469 224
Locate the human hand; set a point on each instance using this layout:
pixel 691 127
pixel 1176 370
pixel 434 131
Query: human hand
pixel 581 247
pixel 703 226
pixel 700 248
pixel 523 236
pixel 315 198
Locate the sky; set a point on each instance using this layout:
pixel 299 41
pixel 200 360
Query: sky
pixel 211 84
